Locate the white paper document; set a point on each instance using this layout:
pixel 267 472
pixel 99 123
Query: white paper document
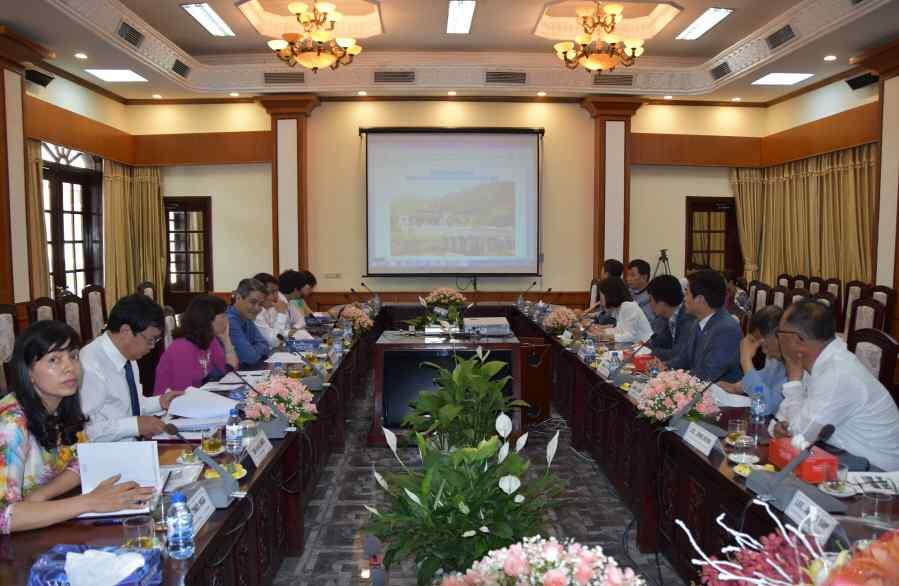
pixel 876 482
pixel 200 404
pixel 725 399
pixel 284 358
pixel 134 461
pixel 302 335
pixel 321 314
pixel 252 376
pixel 181 475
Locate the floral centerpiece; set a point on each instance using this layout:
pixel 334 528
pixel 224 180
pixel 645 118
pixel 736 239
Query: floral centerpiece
pixel 443 304
pixel 290 396
pixel 358 318
pixel 537 560
pixel 670 391
pixel 559 319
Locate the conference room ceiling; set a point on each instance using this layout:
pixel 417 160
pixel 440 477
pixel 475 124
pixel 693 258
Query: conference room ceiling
pixel 414 38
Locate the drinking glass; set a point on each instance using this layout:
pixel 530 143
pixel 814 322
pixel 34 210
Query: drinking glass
pixel 877 506
pixel 735 428
pixel 295 370
pixel 212 441
pixel 744 450
pixel 140 532
pixel 838 478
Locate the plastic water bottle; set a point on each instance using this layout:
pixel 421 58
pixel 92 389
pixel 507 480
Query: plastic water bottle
pixel 758 405
pixel 179 524
pixel 589 351
pixel 234 433
pixel 336 350
pixel 614 365
pixel 277 369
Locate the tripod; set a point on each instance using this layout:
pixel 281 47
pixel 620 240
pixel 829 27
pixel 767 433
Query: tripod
pixel 662 265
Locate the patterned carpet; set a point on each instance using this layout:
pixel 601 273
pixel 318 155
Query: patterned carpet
pixel 591 511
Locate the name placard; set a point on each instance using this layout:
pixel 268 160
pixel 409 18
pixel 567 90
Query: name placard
pixel 201 508
pixel 259 447
pixel 700 439
pixel 803 511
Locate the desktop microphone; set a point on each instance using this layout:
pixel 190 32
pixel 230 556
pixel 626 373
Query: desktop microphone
pixel 679 424
pixel 525 292
pixel 219 489
pixel 780 487
pixel 547 292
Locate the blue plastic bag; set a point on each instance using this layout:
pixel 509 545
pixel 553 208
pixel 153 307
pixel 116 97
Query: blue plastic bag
pixel 50 568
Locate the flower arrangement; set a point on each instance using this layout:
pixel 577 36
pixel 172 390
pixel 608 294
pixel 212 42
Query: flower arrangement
pixel 445 297
pixel 560 319
pixel 876 565
pixel 537 560
pixel 358 317
pixel 444 306
pixel 290 396
pixel 670 391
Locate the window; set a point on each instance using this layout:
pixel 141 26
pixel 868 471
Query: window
pixel 72 218
pixel 189 237
pixel 713 240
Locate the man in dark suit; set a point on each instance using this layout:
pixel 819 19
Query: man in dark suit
pixel 675 324
pixel 714 349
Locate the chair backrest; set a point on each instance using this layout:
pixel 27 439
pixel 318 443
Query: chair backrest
pixel 41 309
pixel 800 282
pixel 887 296
pixel 94 299
pixel 780 296
pixel 866 314
pixel 834 287
pixel 68 308
pixel 147 288
pixel 798 294
pixel 170 324
pixel 8 331
pixel 784 280
pixel 594 292
pixel 815 284
pixel 761 295
pixel 877 350
pixel 830 301
pixel 855 290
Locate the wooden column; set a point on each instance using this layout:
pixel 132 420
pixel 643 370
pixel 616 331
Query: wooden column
pixel 612 176
pixel 15 278
pixel 289 112
pixel 884 61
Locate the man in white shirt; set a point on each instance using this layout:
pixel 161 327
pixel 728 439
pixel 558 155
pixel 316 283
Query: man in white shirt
pixel 111 393
pixel 827 384
pixel 278 317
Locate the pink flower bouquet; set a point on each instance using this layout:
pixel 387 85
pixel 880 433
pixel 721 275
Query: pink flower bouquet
pixel 357 316
pixel 560 319
pixel 671 390
pixel 445 297
pixel 290 396
pixel 548 562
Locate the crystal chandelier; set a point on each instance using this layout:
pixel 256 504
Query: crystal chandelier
pixel 315 48
pixel 597 48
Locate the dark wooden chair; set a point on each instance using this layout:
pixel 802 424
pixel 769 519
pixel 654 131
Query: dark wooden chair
pixel 593 292
pixel 147 288
pixel 877 350
pixel 94 299
pixel 784 280
pixel 171 322
pixel 830 301
pixel 800 282
pixel 798 294
pixel 40 309
pixel 855 290
pixel 887 296
pixel 816 284
pixel 867 314
pixel 760 296
pixel 780 296
pixel 9 329
pixel 834 286
pixel 69 310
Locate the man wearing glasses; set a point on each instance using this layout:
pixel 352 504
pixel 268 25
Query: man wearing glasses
pixel 111 394
pixel 827 384
pixel 249 343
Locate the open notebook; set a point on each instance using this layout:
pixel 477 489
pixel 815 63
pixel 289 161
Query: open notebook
pixel 137 461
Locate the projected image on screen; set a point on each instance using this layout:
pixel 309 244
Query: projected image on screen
pixel 452 203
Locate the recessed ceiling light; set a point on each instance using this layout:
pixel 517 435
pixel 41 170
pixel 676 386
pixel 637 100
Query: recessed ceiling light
pixel 362 93
pixel 541 94
pixel 234 94
pixel 157 97
pixel 830 58
pixel 80 56
pixel 736 99
pixel 706 21
pixel 451 93
pixel 782 78
pixel 458 19
pixel 115 75
pixel 668 97
pixel 208 19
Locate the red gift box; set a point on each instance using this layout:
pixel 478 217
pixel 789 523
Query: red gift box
pixel 819 467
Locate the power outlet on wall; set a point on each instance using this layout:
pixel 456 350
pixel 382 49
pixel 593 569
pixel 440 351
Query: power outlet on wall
pixel 332 275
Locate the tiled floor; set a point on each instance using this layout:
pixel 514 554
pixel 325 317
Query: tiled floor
pixel 591 512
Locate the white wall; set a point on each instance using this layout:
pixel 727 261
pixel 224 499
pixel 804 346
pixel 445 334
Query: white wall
pixel 178 118
pixel 658 216
pixel 889 184
pixel 711 120
pixel 820 103
pixel 75 98
pixel 241 215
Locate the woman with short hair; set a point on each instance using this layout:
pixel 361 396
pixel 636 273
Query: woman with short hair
pixel 631 324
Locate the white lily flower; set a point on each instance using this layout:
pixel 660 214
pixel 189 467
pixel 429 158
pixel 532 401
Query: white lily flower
pixel 509 484
pixel 503 453
pixel 551 448
pixel 480 353
pixel 372 510
pixel 380 479
pixel 413 497
pixel 503 425
pixel 390 437
pixel 519 498
pixel 484 529
pixel 521 442
pixel 469 533
pixel 422 301
pixel 463 508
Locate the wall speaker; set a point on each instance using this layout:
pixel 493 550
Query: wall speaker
pixel 38 77
pixel 862 80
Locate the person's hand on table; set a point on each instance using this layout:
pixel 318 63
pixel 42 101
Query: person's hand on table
pixel 732 388
pixel 166 399
pixel 110 496
pixel 148 426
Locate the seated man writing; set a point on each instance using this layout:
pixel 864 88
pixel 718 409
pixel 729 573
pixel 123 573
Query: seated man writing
pixel 827 384
pixel 673 333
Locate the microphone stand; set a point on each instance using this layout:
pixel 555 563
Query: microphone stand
pixel 221 489
pixel 275 428
pixel 520 300
pixel 375 297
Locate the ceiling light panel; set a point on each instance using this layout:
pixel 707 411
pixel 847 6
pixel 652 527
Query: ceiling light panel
pixel 116 75
pixel 459 17
pixel 706 21
pixel 782 78
pixel 209 19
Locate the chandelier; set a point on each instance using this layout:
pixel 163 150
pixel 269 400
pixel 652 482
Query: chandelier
pixel 597 48
pixel 315 48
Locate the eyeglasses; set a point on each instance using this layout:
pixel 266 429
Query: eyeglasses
pixel 151 341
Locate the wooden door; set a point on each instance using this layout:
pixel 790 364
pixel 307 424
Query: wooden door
pixel 189 249
pixel 713 239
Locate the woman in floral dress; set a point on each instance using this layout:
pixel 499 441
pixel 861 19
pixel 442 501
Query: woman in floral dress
pixel 40 425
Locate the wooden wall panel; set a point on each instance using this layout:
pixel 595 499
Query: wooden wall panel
pixel 847 129
pixel 695 150
pixel 44 121
pixel 207 148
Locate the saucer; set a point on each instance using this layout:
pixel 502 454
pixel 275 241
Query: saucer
pixel 845 491
pixel 743 458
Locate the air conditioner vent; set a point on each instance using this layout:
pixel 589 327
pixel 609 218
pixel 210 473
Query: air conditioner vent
pixel 394 77
pixel 506 77
pixel 180 68
pixel 613 79
pixel 780 36
pixel 285 78
pixel 130 34
pixel 720 71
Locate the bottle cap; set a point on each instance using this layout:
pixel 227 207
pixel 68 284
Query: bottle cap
pixel 178 497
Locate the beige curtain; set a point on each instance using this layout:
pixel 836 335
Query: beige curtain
pixel 37 232
pixel 748 186
pixel 816 218
pixel 134 234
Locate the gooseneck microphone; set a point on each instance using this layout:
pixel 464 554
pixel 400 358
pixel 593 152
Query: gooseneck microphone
pixel 219 489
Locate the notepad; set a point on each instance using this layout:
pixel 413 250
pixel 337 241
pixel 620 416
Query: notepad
pixel 134 461
pixel 725 399
pixel 200 404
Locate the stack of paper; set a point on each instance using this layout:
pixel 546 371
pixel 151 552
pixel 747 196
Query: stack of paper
pixel 134 461
pixel 725 399
pixel 284 358
pixel 253 377
pixel 199 404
